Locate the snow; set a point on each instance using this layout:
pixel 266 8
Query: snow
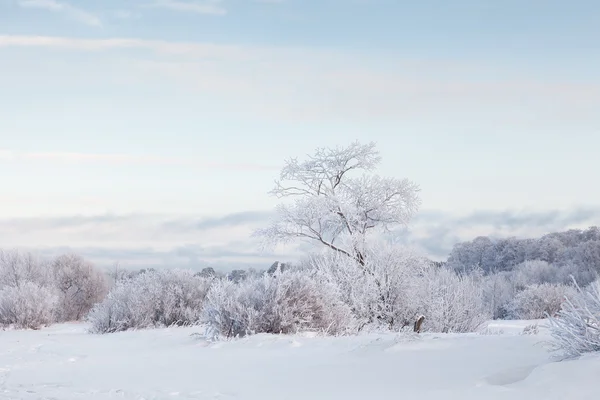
pixel 64 362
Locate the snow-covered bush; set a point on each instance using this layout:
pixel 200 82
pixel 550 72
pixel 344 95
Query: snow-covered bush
pixel 27 306
pixel 151 299
pixel 395 285
pixel 28 298
pixel 230 308
pixel 80 284
pixel 382 292
pixel 576 327
pixel 451 303
pixel 539 301
pixel 77 283
pixel 16 268
pixel 285 302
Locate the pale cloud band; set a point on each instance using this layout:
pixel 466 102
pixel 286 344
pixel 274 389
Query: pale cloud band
pixel 141 241
pixel 126 159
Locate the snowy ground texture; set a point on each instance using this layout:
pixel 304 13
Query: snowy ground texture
pixel 64 362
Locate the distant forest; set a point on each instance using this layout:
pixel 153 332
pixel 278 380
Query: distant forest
pixel 574 251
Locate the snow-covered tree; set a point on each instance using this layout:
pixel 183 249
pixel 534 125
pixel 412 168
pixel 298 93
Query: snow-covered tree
pixel 237 275
pixel 469 256
pixel 498 292
pixel 535 272
pixel 587 255
pixel 549 248
pixel 581 274
pixel 577 250
pixel 334 205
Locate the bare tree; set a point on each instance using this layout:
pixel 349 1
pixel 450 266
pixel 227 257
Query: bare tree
pixel 336 209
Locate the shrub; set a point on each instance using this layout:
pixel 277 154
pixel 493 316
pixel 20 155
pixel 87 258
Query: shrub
pixel 27 306
pixel 539 301
pixel 80 284
pixel 382 292
pixel 16 268
pixel 576 327
pixel 451 303
pixel 151 299
pixel 285 302
pixel 395 286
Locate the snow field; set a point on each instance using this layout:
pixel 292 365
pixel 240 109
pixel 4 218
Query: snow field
pixel 64 362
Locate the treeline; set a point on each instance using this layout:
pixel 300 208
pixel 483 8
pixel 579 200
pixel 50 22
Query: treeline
pixel 574 252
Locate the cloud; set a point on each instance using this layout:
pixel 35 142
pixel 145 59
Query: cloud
pixel 127 159
pixel 230 220
pixel 208 7
pixel 189 49
pixel 225 242
pixel 72 12
pixel 142 241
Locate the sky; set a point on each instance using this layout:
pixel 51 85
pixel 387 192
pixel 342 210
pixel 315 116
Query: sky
pixel 148 132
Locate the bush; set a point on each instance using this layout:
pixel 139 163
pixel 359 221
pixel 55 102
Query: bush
pixel 27 306
pixel 17 268
pixel 539 301
pixel 286 302
pixel 576 327
pixel 381 293
pixel 80 284
pixel 151 299
pixel 72 284
pixel 451 303
pixel 395 286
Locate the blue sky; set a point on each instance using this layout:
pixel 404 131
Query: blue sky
pixel 161 112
